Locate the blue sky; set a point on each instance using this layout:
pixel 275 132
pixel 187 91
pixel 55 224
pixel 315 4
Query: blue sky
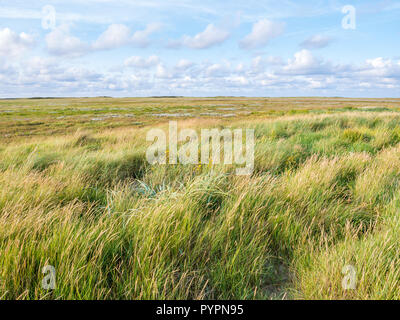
pixel 200 48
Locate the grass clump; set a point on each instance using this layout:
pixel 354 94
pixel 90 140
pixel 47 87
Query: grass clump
pixel 353 135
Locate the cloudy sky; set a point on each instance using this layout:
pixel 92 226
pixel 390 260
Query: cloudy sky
pixel 200 48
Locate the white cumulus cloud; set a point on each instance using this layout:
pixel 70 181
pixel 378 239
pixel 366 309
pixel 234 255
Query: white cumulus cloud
pixel 305 63
pixel 116 35
pixel 211 36
pixel 60 42
pixel 13 44
pixel 263 31
pixel 316 42
pixel 141 38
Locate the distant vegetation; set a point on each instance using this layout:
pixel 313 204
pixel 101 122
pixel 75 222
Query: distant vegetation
pixel 77 193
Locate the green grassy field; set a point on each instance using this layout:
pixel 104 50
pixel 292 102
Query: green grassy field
pixel 77 193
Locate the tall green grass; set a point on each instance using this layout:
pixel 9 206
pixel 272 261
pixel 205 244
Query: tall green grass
pixel 324 194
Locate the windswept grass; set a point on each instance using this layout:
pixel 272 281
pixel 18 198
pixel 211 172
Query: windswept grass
pixel 324 194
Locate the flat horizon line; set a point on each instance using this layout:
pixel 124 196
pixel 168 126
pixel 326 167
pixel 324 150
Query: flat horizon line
pixel 197 97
